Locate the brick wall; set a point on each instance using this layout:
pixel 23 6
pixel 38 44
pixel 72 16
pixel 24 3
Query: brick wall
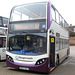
pixel 72 40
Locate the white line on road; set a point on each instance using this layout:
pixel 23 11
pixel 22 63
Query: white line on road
pixel 67 61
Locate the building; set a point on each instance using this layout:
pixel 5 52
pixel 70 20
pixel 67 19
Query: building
pixel 71 28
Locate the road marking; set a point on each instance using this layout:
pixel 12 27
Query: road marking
pixel 72 63
pixel 67 61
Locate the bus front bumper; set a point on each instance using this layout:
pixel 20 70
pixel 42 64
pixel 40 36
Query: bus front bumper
pixel 44 68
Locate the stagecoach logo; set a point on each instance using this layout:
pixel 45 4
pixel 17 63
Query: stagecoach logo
pixel 3 50
pixel 18 57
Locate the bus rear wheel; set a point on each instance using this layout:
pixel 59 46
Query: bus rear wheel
pixel 57 60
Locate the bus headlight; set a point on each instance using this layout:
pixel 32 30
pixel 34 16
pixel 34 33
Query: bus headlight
pixel 10 58
pixel 41 61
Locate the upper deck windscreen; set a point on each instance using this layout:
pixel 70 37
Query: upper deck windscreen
pixel 29 12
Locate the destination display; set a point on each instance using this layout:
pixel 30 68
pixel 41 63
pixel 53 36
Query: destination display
pixel 26 27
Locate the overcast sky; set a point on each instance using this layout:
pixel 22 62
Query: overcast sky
pixel 65 7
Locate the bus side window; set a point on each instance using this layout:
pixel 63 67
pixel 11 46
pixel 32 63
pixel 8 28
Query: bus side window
pixel 57 17
pixel 4 42
pixel 0 42
pixel 53 13
pixel 60 43
pixel 0 21
pixel 57 43
pixel 61 21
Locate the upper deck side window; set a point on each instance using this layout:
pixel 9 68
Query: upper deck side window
pixel 53 13
pixel 5 21
pixel 65 24
pixel 0 21
pixel 61 21
pixel 57 17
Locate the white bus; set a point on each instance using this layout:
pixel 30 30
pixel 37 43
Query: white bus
pixel 37 38
pixel 3 37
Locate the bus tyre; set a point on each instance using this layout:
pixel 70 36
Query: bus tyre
pixel 57 60
pixel 0 57
pixel 67 54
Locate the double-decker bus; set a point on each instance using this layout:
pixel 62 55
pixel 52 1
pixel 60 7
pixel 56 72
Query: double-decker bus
pixel 37 38
pixel 3 37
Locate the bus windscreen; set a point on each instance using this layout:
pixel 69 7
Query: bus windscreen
pixel 27 44
pixel 29 12
pixel 29 17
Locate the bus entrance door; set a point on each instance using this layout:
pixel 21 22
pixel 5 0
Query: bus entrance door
pixel 52 51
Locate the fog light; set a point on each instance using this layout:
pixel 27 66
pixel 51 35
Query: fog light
pixel 40 62
pixel 8 57
pixel 43 60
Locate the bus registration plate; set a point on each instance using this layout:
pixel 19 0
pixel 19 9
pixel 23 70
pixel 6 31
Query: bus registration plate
pixel 23 68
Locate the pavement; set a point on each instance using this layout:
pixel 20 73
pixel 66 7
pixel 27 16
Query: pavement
pixel 67 67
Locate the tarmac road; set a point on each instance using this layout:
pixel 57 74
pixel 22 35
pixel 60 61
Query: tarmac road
pixel 65 68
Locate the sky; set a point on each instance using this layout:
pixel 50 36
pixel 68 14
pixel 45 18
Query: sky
pixel 65 8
